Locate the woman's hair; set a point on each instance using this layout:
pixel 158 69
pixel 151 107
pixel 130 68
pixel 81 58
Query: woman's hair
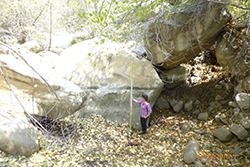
pixel 145 97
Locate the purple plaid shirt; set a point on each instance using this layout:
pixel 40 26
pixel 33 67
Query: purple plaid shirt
pixel 145 108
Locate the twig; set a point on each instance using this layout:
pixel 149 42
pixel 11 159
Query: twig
pixel 228 3
pixel 33 24
pixel 178 130
pixel 158 119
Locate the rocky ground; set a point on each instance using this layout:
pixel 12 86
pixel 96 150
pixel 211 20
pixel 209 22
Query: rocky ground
pixel 95 141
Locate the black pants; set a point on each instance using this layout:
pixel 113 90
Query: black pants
pixel 144 124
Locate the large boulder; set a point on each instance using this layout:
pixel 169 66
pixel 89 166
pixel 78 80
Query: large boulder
pixel 104 70
pixel 227 57
pixel 31 88
pixel 243 100
pixel 174 77
pixel 173 40
pixel 18 136
pixel 223 134
pixel 243 86
pixel 239 131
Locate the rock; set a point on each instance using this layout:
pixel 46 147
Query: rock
pixel 177 107
pixel 197 137
pixel 203 116
pixel 18 136
pixel 191 151
pixel 234 139
pixel 218 97
pixel 239 131
pixel 223 134
pixel 174 77
pixel 178 164
pixel 184 127
pixel 180 40
pixel 207 145
pixel 198 164
pixel 236 150
pixel 215 105
pixel 196 112
pixel 232 104
pixel 203 160
pixel 197 102
pixel 188 106
pixel 162 103
pixel 218 150
pixel 28 84
pixel 228 59
pixel 104 71
pixel 245 122
pixel 172 102
pixel 243 100
pixel 243 86
pixel 33 46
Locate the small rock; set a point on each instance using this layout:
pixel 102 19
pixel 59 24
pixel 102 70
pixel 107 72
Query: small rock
pixel 195 121
pixel 215 105
pixel 245 122
pixel 196 112
pixel 243 100
pixel 162 103
pixel 234 139
pixel 198 164
pixel 232 104
pixel 203 160
pixel 218 150
pixel 172 102
pixel 239 131
pixel 231 160
pixel 190 157
pixel 223 134
pixel 198 137
pixel 207 145
pixel 178 106
pixel 184 127
pixel 191 151
pixel 236 150
pixel 188 106
pixel 218 97
pixel 203 116
pixel 197 102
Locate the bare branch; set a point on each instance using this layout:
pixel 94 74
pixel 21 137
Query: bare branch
pixel 227 3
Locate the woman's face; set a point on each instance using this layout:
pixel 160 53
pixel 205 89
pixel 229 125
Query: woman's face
pixel 143 99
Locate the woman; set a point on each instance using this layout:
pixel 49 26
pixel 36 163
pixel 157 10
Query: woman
pixel 145 111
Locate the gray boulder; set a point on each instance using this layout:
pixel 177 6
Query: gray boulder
pixel 245 122
pixel 191 152
pixel 18 136
pixel 174 77
pixel 243 86
pixel 162 103
pixel 207 145
pixel 104 71
pixel 239 131
pixel 203 116
pixel 232 104
pixel 177 107
pixel 173 40
pixel 228 59
pixel 184 127
pixel 243 100
pixel 223 134
pixel 30 87
pixel 188 106
pixel 198 164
